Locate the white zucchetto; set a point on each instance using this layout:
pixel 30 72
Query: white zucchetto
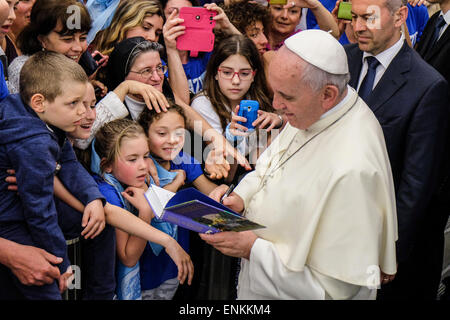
pixel 320 49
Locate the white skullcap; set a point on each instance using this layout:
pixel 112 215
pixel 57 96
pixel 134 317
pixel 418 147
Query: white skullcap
pixel 320 49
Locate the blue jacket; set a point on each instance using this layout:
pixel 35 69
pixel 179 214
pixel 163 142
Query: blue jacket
pixel 33 149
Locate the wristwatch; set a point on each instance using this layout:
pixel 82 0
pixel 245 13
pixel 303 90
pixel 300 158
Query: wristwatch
pixel 282 122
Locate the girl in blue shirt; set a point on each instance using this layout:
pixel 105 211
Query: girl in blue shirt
pixel 166 133
pixel 120 155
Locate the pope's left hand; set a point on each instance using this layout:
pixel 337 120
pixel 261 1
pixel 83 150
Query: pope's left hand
pixel 234 244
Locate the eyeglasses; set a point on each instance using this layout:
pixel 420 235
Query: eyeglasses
pixel 228 74
pixel 148 72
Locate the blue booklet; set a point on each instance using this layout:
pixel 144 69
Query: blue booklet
pixel 191 209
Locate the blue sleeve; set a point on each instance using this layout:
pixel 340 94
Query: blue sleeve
pixel 76 179
pixel 311 22
pixel 110 194
pixel 189 164
pixel 3 87
pixel 34 160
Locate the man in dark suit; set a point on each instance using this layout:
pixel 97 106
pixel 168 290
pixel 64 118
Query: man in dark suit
pixel 410 99
pixel 434 46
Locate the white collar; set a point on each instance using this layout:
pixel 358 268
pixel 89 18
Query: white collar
pixel 446 16
pixel 386 57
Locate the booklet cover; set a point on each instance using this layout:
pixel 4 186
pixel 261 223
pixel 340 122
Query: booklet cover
pixel 191 209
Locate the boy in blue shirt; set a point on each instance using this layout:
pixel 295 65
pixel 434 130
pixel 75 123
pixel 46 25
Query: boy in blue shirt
pixel 33 142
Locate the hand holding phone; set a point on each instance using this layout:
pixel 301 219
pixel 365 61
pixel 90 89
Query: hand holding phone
pixel 198 35
pixel 249 110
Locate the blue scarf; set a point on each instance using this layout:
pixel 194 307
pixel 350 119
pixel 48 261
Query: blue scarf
pixel 165 177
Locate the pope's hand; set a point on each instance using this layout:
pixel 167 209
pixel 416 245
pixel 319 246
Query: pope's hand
pixel 234 244
pixel 233 201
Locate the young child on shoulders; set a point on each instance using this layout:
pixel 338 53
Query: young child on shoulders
pixel 33 142
pixel 120 157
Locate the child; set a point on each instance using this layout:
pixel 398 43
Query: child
pixel 122 154
pixel 235 73
pixel 33 128
pixel 166 134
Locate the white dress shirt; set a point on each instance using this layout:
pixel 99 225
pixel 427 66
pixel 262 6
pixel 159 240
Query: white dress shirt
pixel 385 58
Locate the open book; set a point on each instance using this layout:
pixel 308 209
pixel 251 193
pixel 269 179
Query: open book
pixel 191 209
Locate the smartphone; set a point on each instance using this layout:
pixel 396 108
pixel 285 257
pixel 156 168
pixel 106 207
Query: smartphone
pixel 345 11
pixel 282 2
pixel 198 35
pixel 97 57
pixel 248 109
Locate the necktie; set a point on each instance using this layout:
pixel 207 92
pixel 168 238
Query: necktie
pixel 366 86
pixel 440 22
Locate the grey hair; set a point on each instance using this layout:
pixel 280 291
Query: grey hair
pixel 317 78
pixel 142 47
pixel 394 5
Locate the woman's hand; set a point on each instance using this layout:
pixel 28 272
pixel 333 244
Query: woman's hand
pixel 153 98
pixel 181 259
pixel 172 30
pixel 418 2
pixel 100 89
pixel 221 19
pixel 342 23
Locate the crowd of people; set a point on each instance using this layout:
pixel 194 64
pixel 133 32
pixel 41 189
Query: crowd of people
pixel 347 167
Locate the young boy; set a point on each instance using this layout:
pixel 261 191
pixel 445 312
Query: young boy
pixel 33 142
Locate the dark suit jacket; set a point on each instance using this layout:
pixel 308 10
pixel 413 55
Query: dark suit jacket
pixel 411 103
pixel 439 55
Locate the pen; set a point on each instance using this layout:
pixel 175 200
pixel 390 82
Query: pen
pixel 227 193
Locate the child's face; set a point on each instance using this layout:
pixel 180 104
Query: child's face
pixel 70 45
pixel 149 60
pixel 6 25
pixel 67 110
pixel 130 166
pixel 83 131
pixel 166 135
pixel 236 87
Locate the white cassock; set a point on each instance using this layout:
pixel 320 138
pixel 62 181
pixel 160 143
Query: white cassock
pixel 326 197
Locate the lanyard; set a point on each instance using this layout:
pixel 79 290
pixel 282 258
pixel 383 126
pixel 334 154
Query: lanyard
pixel 280 164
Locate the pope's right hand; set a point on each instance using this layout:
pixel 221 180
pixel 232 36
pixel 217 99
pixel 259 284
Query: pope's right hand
pixel 232 201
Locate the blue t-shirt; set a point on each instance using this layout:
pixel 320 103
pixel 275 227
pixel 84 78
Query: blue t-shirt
pixel 416 22
pixel 195 71
pixel 311 22
pixel 154 270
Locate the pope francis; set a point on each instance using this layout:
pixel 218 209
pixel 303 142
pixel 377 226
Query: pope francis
pixel 323 188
